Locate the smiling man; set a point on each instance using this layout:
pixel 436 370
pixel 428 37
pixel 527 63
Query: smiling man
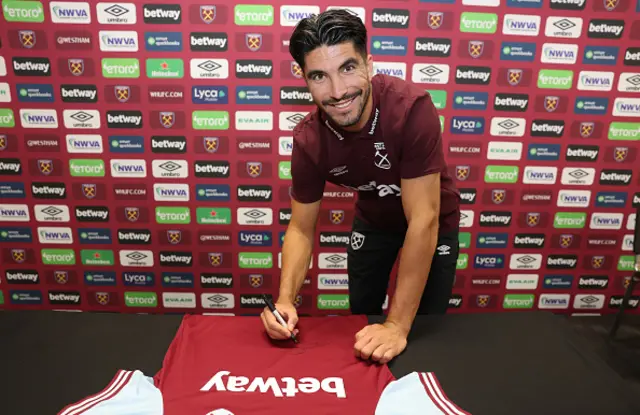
pixel 381 137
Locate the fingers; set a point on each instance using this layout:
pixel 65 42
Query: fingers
pixel 379 352
pixel 273 328
pixel 387 356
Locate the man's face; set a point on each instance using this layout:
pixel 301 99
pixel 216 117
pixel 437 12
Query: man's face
pixel 340 82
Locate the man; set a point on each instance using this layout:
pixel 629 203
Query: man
pixel 381 136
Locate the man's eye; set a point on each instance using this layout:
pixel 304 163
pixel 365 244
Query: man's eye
pixel 316 77
pixel 349 68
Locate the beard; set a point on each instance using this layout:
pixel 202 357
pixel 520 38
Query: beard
pixel 352 117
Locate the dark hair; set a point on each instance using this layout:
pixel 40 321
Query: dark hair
pixel 329 28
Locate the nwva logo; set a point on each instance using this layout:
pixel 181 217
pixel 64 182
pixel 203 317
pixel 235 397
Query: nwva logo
pixel 399 70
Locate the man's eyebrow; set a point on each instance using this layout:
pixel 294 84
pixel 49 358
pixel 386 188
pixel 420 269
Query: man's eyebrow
pixel 350 61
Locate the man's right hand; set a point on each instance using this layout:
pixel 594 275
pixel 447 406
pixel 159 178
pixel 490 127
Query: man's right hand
pixel 274 328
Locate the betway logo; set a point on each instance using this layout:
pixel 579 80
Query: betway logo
pixel 580 152
pixel 228 281
pixel 289 387
pixel 252 68
pixel 133 236
pixel 70 298
pixel 92 214
pixel 162 14
pixel 593 282
pixel 481 76
pixel 606 28
pixel 334 239
pixel 20 276
pixel 78 93
pixel 183 259
pixel 14 167
pixel 528 240
pixel 433 47
pixel 207 168
pixel 618 177
pixel 546 128
pixel 265 194
pixel 295 95
pixel 220 42
pixel 566 262
pixel 390 18
pixel 124 119
pixel 511 102
pixel 495 218
pixel 166 144
pixel 31 66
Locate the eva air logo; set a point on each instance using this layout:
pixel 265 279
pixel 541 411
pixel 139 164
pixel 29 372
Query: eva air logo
pixel 6 118
pixel 23 11
pixel 569 220
pixel 253 15
pixel 255 260
pixel 554 79
pixel 478 22
pixel 86 168
pixel 463 261
pixel 210 120
pixel 120 68
pixel 284 170
pixel 501 174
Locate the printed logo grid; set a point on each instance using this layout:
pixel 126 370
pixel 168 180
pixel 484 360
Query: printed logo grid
pixel 145 151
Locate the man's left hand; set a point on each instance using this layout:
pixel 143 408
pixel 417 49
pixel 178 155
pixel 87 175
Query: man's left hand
pixel 380 342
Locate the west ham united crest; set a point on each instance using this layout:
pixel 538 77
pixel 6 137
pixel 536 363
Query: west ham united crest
pixel 586 129
pixel 3 142
pixel 256 280
pixel 27 38
pixel 610 5
pixel 167 119
pixel 45 166
pixel 132 214
pixel 19 255
pixel 210 144
pixel 566 240
pixel 122 93
pixel 476 47
pixel 253 41
pixel 435 19
pixel 514 76
pixel 551 103
pixel 336 216
pixel 174 236
pixel 462 172
pixel 296 70
pixel 208 13
pixel 254 168
pixel 620 154
pixel 498 196
pixel 215 258
pixel 61 277
pixel 102 298
pixel 89 190
pixel 597 261
pixel 76 66
pixel 533 219
pixel 483 300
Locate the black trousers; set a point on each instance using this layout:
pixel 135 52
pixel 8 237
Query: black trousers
pixel 371 255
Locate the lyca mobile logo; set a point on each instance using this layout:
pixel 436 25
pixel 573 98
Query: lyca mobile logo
pixel 467 125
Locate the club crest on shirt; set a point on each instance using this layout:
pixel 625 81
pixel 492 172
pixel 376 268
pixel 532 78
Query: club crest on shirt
pixel 381 158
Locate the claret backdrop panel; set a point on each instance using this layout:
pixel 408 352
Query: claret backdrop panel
pixel 145 150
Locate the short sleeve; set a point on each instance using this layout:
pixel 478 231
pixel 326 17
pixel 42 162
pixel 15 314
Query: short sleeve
pixel 307 179
pixel 421 149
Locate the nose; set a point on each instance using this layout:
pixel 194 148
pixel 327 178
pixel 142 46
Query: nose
pixel 338 88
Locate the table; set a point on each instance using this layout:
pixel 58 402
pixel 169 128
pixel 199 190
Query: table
pixel 523 363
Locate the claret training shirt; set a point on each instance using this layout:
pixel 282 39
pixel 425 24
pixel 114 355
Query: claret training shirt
pixel 402 139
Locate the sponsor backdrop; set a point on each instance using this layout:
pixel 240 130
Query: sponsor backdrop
pixel 145 151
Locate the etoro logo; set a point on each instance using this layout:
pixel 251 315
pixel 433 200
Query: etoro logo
pixel 255 260
pixel 478 22
pixel 23 11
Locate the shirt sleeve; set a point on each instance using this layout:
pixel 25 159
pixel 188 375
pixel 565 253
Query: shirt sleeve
pixel 421 144
pixel 307 179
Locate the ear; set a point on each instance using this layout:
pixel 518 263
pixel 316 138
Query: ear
pixel 370 64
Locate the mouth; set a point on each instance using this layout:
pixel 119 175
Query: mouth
pixel 344 104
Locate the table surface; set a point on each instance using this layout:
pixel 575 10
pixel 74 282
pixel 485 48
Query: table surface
pixel 489 364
